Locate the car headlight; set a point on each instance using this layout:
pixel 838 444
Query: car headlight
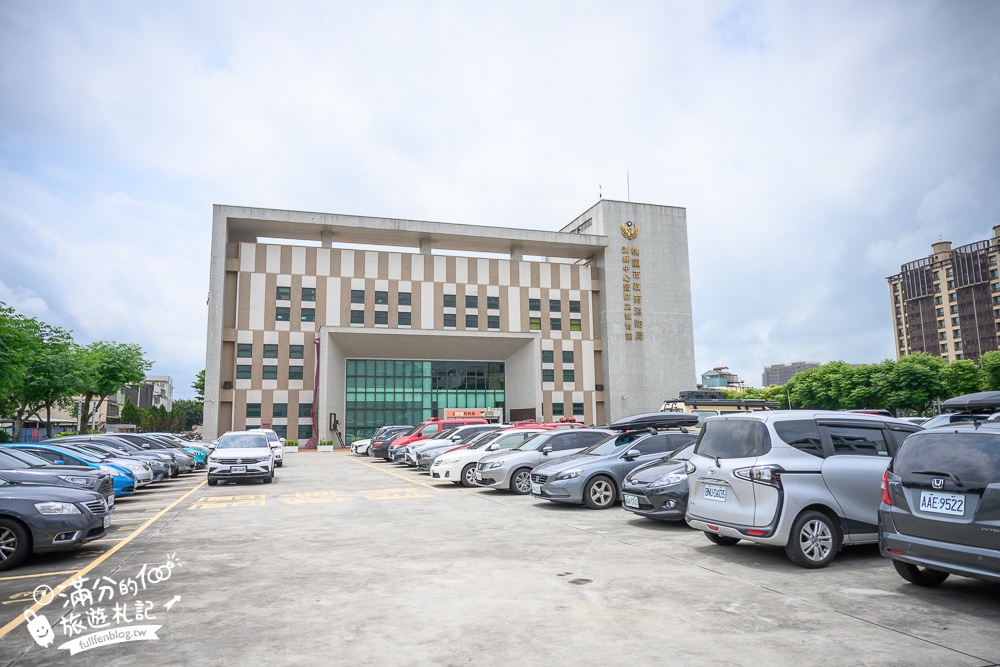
pixel 114 471
pixel 570 474
pixel 81 481
pixel 261 459
pixel 57 508
pixel 450 460
pixel 668 480
pixel 165 456
pixel 496 464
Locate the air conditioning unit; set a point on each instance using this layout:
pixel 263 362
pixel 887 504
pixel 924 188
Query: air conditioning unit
pixel 598 387
pixel 227 384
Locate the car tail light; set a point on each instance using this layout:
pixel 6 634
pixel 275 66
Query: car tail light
pixel 769 475
pixel 886 496
pixel 757 533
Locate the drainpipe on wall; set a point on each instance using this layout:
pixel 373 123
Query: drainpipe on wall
pixel 312 411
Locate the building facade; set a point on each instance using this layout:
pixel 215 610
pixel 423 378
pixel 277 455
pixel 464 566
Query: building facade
pixel 155 391
pixel 325 324
pixel 948 303
pixel 779 374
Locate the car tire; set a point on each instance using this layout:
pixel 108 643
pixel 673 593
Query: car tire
pixel 212 482
pixel 721 540
pixel 469 475
pixel 921 576
pixel 599 493
pixel 268 480
pixel 15 544
pixel 814 540
pixel 520 482
pixel 280 464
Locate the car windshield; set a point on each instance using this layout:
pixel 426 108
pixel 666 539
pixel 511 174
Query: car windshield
pixel 534 443
pixel 682 454
pixel 242 441
pixel 614 443
pixel 81 454
pixel 945 419
pixel 27 457
pixel 10 463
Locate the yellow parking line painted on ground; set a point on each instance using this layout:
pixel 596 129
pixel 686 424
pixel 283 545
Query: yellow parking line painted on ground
pixel 40 574
pixel 5 630
pixel 368 465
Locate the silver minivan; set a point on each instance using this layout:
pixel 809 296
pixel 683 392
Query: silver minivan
pixel 809 481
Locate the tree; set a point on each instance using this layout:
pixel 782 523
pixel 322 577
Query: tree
pixel 199 386
pixel 131 413
pixel 990 361
pixel 191 411
pixel 915 382
pixel 867 385
pixel 110 367
pixel 823 388
pixel 961 377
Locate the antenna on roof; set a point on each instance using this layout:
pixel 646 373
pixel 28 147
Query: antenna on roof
pixel 628 187
pixel 600 195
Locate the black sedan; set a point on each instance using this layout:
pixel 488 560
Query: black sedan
pixel 37 519
pixel 659 489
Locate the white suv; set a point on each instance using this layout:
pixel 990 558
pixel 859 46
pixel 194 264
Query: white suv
pixel 275 443
pixel 809 481
pixel 241 455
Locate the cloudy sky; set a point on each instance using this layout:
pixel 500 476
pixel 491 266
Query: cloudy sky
pixel 816 146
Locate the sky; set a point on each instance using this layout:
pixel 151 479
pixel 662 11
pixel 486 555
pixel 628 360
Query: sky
pixel 816 146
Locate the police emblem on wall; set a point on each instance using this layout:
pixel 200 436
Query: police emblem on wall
pixel 629 230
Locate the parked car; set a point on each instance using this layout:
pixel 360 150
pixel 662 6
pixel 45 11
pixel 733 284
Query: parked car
pixel 808 481
pixel 20 467
pixel 38 519
pixel 594 476
pixel 185 461
pixel 427 429
pixel 459 465
pixel 127 448
pixel 659 490
pixel 197 450
pixel 362 447
pixel 241 455
pixel 425 451
pixel 157 466
pixel 512 469
pixel 274 441
pixel 123 479
pixel 138 468
pixel 940 512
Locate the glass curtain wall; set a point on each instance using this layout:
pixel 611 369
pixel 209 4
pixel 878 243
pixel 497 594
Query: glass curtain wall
pixel 381 392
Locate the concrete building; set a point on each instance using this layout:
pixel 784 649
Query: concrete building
pixel 948 303
pixel 721 377
pixel 779 374
pixel 155 391
pixel 320 319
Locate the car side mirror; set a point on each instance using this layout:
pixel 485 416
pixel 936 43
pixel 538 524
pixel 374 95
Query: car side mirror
pixel 493 447
pixel 60 462
pixel 632 454
pixel 546 450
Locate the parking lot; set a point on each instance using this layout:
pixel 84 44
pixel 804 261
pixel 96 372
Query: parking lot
pixel 348 560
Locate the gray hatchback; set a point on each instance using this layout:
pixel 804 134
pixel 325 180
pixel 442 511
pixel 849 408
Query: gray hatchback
pixel 940 512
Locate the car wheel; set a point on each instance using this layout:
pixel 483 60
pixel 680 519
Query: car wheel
pixel 599 493
pixel 722 540
pixel 469 475
pixel 814 541
pixel 520 482
pixel 14 544
pixel 213 482
pixel 921 576
pixel 281 464
pixel 268 480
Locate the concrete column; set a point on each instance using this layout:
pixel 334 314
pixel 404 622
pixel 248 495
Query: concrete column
pixel 425 246
pixel 326 239
pixel 516 253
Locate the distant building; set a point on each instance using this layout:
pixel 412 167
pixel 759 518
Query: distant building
pixel 779 374
pixel 155 391
pixel 720 378
pixel 948 303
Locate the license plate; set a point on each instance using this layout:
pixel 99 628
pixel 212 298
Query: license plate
pixel 631 501
pixel 713 492
pixel 536 488
pixel 238 469
pixel 942 503
pixel 479 476
pixel 107 521
pixel 111 501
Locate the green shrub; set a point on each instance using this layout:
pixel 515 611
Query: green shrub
pixel 291 443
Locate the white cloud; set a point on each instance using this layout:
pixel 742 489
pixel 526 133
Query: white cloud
pixel 815 147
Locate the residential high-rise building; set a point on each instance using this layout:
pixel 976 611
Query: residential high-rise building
pixel 948 303
pixel 779 374
pixel 323 324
